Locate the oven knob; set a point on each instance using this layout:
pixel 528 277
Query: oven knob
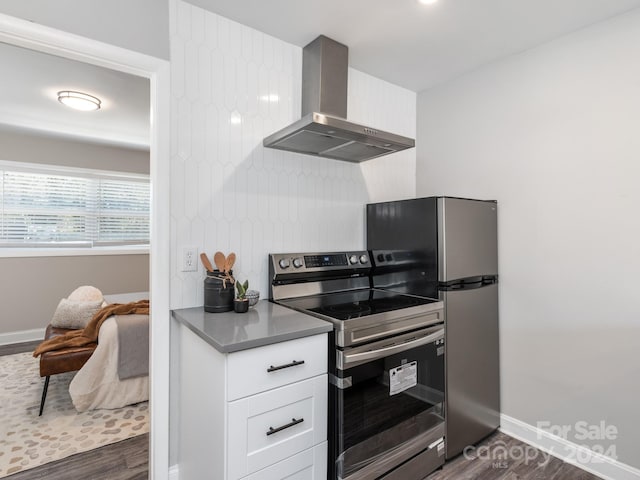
pixel 353 259
pixel 284 263
pixel 380 257
pixel 297 262
pixel 364 259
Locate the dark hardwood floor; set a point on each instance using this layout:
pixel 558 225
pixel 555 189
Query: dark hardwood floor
pixel 18 348
pixel 127 460
pixel 501 457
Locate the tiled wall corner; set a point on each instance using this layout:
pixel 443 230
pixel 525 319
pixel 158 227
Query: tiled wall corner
pixel 231 87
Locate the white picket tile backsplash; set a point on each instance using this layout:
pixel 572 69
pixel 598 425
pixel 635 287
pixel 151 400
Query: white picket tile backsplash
pixel 231 86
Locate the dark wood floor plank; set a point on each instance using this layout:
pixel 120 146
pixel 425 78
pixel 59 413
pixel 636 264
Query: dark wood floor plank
pixel 110 462
pixel 137 459
pixel 14 348
pixel 543 467
pixel 489 462
pixel 569 472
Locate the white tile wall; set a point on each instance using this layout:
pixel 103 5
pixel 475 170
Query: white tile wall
pixel 382 105
pixel 232 86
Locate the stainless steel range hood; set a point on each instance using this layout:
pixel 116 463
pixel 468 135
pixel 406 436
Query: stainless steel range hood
pixel 323 130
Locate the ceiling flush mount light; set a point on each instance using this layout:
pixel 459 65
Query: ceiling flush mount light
pixel 79 100
pixel 427 2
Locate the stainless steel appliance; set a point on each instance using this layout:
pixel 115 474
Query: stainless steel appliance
pixel 447 247
pixel 386 365
pixel 323 130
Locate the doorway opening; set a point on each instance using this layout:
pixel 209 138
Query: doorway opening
pixel 43 39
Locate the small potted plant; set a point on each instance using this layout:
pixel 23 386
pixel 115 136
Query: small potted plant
pixel 241 303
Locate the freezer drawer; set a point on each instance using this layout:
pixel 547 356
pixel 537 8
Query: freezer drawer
pixel 472 399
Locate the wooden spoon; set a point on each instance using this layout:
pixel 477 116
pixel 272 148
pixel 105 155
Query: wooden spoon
pixel 220 261
pixel 231 260
pixel 206 262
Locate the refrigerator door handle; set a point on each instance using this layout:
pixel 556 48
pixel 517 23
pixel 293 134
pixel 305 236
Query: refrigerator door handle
pixel 469 283
pixel 489 279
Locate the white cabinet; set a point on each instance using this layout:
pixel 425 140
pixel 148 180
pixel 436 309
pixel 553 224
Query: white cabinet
pixel 308 465
pixel 271 426
pixel 258 414
pixel 263 368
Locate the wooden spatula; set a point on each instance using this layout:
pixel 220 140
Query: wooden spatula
pixel 206 262
pixel 220 261
pixel 231 260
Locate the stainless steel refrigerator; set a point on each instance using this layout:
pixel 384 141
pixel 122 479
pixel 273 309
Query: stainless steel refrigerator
pixel 448 248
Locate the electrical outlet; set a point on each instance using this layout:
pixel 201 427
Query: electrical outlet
pixel 189 259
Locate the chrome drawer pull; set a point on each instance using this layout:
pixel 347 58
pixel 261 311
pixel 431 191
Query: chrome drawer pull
pixel 279 429
pixel 280 367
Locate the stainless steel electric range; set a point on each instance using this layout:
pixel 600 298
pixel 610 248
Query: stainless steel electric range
pixel 386 364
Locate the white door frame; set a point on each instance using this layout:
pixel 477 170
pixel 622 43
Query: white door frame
pixel 45 39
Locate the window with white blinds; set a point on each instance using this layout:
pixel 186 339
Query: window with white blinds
pixel 61 206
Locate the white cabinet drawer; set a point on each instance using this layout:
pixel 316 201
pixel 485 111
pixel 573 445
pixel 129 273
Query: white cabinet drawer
pixel 272 366
pixel 269 427
pixel 308 465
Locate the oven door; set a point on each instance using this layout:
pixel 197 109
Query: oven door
pixel 386 404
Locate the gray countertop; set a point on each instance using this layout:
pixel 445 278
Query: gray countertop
pixel 263 324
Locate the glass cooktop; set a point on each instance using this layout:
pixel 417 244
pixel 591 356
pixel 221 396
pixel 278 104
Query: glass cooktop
pixel 355 303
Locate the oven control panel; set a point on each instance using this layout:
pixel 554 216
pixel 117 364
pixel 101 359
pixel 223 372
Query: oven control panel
pixel 319 262
pixel 328 260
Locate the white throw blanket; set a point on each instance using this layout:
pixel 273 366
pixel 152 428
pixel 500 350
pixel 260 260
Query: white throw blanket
pixel 96 385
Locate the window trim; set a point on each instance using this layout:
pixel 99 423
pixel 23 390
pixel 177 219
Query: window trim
pixel 30 167
pixel 43 250
pixel 19 252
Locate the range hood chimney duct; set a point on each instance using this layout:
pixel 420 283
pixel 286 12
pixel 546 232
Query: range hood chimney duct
pixel 323 130
pixel 325 77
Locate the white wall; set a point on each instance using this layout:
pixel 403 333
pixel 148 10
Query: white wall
pixel 20 145
pixel 380 104
pixel 140 25
pixel 553 135
pixel 228 193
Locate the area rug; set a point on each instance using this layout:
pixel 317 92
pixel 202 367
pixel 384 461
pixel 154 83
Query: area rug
pixel 27 441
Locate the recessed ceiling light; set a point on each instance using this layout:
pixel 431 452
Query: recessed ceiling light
pixel 427 2
pixel 79 100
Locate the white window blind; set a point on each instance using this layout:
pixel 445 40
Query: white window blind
pixel 58 206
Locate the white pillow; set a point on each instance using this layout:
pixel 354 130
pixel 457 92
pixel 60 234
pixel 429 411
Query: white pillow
pixel 86 293
pixel 74 315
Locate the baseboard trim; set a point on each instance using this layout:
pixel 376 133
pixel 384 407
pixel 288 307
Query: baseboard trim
pixel 578 455
pixel 21 336
pixel 174 472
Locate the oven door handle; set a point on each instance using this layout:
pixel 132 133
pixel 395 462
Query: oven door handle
pixel 350 358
